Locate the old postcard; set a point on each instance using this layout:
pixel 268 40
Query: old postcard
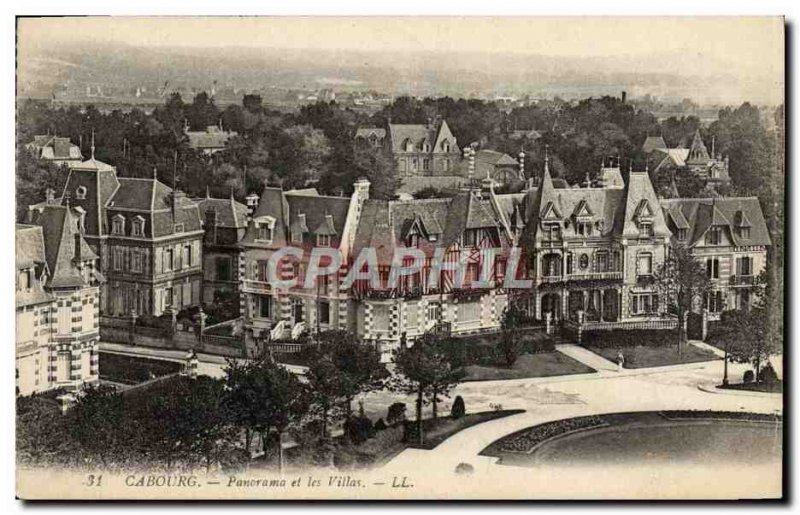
pixel 399 258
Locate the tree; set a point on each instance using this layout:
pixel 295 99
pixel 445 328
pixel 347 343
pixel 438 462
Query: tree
pixel 425 369
pixel 263 396
pixel 95 425
pixel 510 343
pixel 34 178
pixel 744 337
pixel 341 367
pixel 682 283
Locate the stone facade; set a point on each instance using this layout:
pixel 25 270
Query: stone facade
pixel 57 300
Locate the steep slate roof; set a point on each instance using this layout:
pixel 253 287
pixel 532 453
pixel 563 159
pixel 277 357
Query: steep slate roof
pixel 418 134
pixel 29 245
pixel 63 245
pixel 316 211
pixel 55 148
pixel 653 143
pixel 272 204
pixel 728 212
pixel 153 200
pixel 365 132
pixel 230 213
pixel 94 165
pixel 29 251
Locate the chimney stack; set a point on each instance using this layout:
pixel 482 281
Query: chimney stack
pixel 252 204
pixel 78 256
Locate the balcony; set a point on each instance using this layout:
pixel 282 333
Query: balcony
pixel 743 280
pixel 595 276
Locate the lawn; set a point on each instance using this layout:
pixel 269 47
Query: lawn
pixel 642 356
pixel 543 364
pixel 763 386
pixel 119 368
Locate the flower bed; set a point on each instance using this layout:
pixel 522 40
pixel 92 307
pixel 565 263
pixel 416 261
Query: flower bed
pixel 527 440
pixel 720 415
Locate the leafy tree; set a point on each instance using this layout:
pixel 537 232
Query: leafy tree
pixel 263 396
pixel 458 410
pixel 95 425
pixel 425 369
pixel 744 337
pixel 510 343
pixel 681 282
pixel 341 367
pixel 33 179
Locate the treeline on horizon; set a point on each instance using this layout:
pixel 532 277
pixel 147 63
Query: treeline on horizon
pixel 314 146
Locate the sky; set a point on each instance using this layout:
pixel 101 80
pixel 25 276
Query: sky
pixel 748 48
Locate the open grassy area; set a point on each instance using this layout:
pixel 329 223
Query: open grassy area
pixel 543 364
pixel 763 386
pixel 123 369
pixel 642 356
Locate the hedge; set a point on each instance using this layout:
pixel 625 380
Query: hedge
pixel 629 338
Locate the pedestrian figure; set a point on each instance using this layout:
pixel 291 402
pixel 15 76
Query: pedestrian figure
pixel 620 361
pixel 191 364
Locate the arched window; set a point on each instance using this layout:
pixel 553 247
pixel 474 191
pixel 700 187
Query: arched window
pixel 445 146
pixel 409 146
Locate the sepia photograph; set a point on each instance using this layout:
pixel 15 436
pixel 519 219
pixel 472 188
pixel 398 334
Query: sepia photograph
pixel 399 258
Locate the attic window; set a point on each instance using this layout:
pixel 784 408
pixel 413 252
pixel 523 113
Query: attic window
pixel 445 146
pixel 118 225
pixel 409 146
pixel 583 228
pixel 433 237
pixel 179 228
pixel 426 147
pixel 80 192
pixel 265 229
pixel 714 236
pixel 137 229
pixel 744 232
pixel 645 230
pixel 681 234
pixel 323 240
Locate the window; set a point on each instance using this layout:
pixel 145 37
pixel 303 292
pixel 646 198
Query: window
pixel 551 265
pixel 137 229
pixel 469 312
pixel 473 273
pixel 265 306
pixel 426 164
pixel 80 192
pixel 744 232
pixel 261 268
pixel 412 240
pixel 169 260
pixel 681 234
pixel 714 302
pixel 552 232
pixel 323 240
pixel 584 261
pixel 602 261
pixel 569 263
pixel 25 280
pixel 118 225
pixel 324 312
pixel 409 146
pixel 265 229
pixel 445 146
pixel 645 230
pixel 117 258
pixel 187 256
pixel 644 264
pixel 744 265
pixel 179 228
pixel 137 261
pixel 433 236
pixel 471 238
pixel 712 268
pixel 584 228
pixel 297 236
pixel 414 164
pixel 644 303
pixel 434 311
pixel 714 236
pixel 223 268
pixel 446 164
pixel 744 300
pixel 402 163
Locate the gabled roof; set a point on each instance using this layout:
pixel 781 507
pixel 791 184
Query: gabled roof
pixel 94 165
pixel 703 213
pixel 418 134
pixel 322 213
pixel 639 189
pixel 64 244
pixel 653 143
pixel 29 247
pixel 366 132
pixel 230 213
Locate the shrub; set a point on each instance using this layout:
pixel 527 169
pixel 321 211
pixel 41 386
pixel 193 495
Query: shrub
pixel 380 425
pixel 358 429
pixel 458 410
pixel 396 413
pixel 629 338
pixel 748 376
pixel 768 375
pixel 464 469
